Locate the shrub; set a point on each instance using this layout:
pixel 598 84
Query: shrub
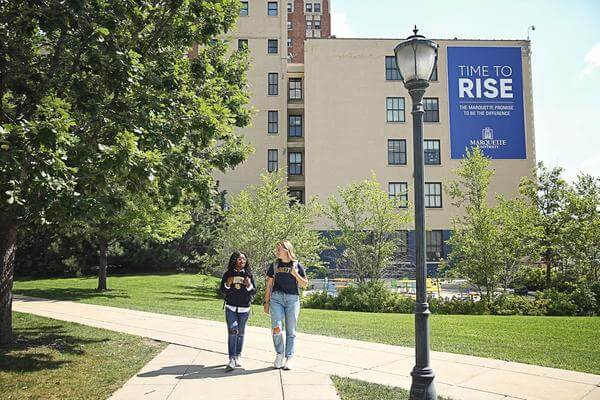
pixel 509 304
pixel 595 288
pixel 584 299
pixel 557 303
pixel 455 305
pixel 533 278
pixel 321 300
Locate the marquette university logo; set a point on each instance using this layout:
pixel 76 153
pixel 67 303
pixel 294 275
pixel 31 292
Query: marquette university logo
pixel 487 140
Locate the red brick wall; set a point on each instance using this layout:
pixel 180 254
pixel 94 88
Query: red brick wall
pixel 298 31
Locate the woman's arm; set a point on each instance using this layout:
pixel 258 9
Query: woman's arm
pixel 268 288
pixel 302 281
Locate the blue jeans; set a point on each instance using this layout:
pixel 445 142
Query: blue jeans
pixel 284 307
pixel 236 325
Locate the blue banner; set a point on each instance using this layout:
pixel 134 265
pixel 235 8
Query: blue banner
pixel 485 88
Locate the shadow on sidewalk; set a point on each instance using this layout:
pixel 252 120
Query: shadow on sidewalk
pixel 201 371
pixel 69 294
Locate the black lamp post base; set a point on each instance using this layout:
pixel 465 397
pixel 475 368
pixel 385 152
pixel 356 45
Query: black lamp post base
pixel 422 387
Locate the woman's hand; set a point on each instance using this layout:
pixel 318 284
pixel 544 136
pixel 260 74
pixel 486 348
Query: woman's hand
pixel 266 308
pixel 247 282
pixel 229 281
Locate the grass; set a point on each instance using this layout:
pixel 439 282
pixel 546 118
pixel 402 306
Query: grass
pixel 561 342
pixel 352 389
pixel 53 359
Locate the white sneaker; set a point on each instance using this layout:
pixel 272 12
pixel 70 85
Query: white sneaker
pixel 278 361
pixel 230 365
pixel 288 363
pixel 237 362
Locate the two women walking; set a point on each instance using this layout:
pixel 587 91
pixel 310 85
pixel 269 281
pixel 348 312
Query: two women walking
pixel 282 301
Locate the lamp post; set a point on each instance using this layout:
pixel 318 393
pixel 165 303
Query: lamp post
pixel 416 58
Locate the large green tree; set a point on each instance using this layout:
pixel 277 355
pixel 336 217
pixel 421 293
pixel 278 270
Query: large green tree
pixel 105 121
pixel 368 221
pixel 263 215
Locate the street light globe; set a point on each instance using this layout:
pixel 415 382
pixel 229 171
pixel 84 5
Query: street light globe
pixel 416 58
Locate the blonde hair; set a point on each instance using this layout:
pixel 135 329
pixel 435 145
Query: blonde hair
pixel 287 246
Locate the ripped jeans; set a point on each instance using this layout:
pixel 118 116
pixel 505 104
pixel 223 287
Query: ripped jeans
pixel 284 307
pixel 236 325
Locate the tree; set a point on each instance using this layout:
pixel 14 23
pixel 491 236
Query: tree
pixel 475 235
pixel 264 215
pixel 519 237
pixel 548 193
pixel 368 221
pixel 582 229
pixel 104 119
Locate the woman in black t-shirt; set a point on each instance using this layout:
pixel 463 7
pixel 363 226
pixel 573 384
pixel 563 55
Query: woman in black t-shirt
pixel 282 301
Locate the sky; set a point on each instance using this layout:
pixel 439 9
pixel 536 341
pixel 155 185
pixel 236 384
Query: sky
pixel 565 58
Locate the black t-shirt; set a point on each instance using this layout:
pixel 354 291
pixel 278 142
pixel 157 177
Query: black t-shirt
pixel 284 280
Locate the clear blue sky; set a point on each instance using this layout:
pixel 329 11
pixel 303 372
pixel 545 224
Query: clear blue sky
pixel 565 51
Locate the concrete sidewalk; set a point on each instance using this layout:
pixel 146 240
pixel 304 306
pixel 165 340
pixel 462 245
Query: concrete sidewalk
pixel 458 376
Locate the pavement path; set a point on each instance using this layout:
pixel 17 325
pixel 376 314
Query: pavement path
pixel 201 353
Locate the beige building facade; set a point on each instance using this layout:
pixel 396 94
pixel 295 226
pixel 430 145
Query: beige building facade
pixel 344 114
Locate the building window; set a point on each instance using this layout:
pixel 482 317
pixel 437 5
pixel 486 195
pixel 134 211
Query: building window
pixel 309 23
pixel 273 84
pixel 295 89
pixel 295 125
pixel 396 152
pixel 297 195
pixel 391 70
pixel 432 109
pixel 318 7
pixel 273 124
pixel 244 9
pixel 289 24
pixel 434 76
pixel 434 245
pixel 401 239
pixel 289 42
pixel 272 8
pixel 295 163
pixel 309 7
pixel 433 195
pixel 395 109
pixel 272 46
pixel 290 7
pixel 431 147
pixel 317 23
pixel 242 44
pixel 272 163
pixel 398 192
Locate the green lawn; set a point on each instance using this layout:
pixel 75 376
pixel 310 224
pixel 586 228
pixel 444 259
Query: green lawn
pixel 561 342
pixel 60 360
pixel 352 389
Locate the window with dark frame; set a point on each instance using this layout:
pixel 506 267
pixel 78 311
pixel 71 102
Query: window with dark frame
pixel 431 149
pixel 396 152
pixel 395 109
pixel 273 88
pixel 297 195
pixel 289 42
pixel 273 124
pixel 317 7
pixel 289 25
pixel 391 71
pixel 309 7
pixel 272 160
pixel 242 44
pixel 433 195
pixel 317 23
pixel 434 247
pixel 244 9
pixel 309 23
pixel 290 7
pixel 295 163
pixel 401 239
pixel 295 125
pixel 272 8
pixel 295 89
pixel 432 109
pixel 272 46
pixel 398 192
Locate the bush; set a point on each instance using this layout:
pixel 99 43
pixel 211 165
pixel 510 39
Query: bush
pixel 533 278
pixel 320 300
pixel 595 288
pixel 456 306
pixel 584 299
pixel 556 303
pixel 509 304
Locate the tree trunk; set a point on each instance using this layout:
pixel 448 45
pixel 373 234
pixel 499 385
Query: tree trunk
pixel 103 263
pixel 8 247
